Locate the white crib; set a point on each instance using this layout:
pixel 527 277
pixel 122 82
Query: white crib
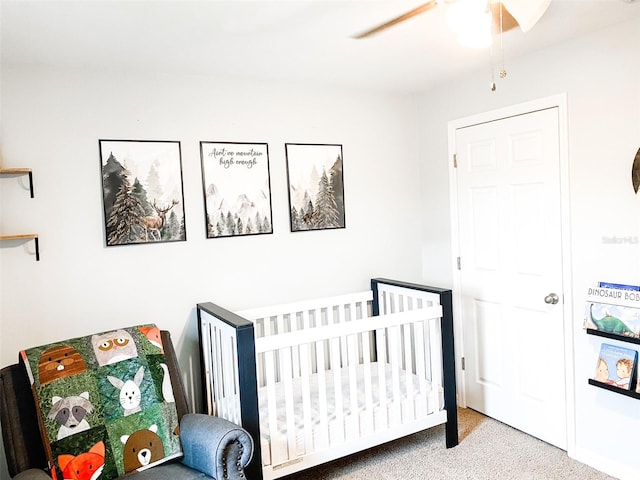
pixel 317 380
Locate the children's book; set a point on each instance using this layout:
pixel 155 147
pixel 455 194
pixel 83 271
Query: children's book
pixel 615 319
pixel 619 286
pixel 616 366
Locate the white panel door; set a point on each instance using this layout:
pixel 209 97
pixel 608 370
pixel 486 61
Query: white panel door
pixel 508 184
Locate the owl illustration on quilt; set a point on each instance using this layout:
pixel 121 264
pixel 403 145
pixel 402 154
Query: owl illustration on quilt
pixel 113 347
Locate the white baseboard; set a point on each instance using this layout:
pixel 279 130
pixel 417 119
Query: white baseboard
pixel 606 465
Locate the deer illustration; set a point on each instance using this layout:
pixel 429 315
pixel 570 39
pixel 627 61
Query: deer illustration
pixel 153 224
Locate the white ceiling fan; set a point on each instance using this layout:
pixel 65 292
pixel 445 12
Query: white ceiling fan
pixel 499 15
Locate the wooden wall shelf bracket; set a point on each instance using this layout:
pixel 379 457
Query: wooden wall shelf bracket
pixel 20 171
pixel 26 236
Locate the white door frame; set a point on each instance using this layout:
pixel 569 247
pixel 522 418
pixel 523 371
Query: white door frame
pixel 559 101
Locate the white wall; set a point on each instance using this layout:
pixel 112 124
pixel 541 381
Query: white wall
pixel 52 120
pixel 601 75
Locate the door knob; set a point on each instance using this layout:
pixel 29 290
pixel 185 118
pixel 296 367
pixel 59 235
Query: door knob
pixel 551 299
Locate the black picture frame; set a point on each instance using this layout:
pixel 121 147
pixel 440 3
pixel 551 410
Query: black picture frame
pixel 236 187
pixel 315 181
pixel 142 191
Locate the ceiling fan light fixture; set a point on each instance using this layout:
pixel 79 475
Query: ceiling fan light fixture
pixel 471 21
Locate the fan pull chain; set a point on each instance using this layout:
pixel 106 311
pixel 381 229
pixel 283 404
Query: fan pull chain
pixel 493 78
pixel 503 72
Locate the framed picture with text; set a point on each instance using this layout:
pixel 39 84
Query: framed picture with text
pixel 236 187
pixel 316 186
pixel 142 191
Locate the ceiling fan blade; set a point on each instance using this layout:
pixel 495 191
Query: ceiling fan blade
pixel 526 12
pixel 406 16
pixel 508 22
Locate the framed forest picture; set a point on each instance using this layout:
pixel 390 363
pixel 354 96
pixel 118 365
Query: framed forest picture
pixel 142 191
pixel 316 186
pixel 236 187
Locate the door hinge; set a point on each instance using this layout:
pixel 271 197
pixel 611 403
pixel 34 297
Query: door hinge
pixel 463 363
pixel 458 262
pixel 455 160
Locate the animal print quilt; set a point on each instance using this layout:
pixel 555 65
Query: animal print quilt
pixel 105 403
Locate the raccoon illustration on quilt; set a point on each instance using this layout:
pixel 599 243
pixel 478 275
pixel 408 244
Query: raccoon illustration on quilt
pixel 69 413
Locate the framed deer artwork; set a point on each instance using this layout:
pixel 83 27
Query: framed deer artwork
pixel 236 188
pixel 142 191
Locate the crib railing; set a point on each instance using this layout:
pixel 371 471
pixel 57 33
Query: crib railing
pixel 276 347
pixel 301 316
pixel 391 296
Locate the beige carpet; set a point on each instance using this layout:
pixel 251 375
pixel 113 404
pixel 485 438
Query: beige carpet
pixel 488 450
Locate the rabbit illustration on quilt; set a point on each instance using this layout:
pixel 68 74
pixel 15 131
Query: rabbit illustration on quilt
pixel 130 395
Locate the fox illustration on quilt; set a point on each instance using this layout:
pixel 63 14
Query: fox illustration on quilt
pixel 86 466
pixel 99 397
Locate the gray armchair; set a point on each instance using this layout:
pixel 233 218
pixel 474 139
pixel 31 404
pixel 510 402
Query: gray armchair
pixel 213 447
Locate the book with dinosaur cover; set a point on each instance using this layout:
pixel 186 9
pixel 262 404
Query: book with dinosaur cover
pixel 616 366
pixel 614 319
pixel 614 311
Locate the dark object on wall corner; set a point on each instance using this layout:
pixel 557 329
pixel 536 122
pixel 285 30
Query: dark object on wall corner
pixel 635 172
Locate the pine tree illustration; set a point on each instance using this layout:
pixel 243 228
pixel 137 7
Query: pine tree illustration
pixel 171 230
pixel 266 225
pixel 141 194
pixel 113 176
pixel 326 213
pixel 296 224
pixel 123 225
pixel 231 224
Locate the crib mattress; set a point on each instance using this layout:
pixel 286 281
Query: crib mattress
pixel 421 403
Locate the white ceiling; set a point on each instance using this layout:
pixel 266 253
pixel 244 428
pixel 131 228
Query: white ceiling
pixel 294 40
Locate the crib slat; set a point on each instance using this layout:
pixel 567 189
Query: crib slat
pixel 409 413
pixel 367 424
pixel 323 431
pixel 207 360
pixel 305 374
pixel 286 375
pixel 353 425
pixel 338 427
pixel 382 416
pixel 223 353
pixel 435 350
pixel 394 360
pixel 278 454
pixel 421 370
